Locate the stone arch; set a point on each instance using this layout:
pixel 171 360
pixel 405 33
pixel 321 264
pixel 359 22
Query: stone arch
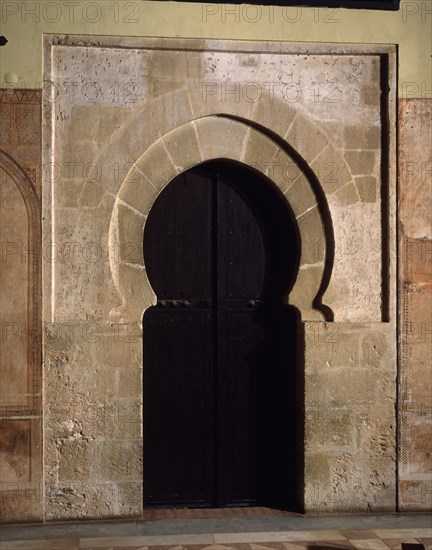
pixel 26 188
pixel 210 138
pixel 31 251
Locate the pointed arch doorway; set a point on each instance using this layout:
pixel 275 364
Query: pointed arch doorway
pixel 220 250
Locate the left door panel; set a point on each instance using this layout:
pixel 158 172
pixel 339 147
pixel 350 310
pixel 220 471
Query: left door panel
pixel 178 345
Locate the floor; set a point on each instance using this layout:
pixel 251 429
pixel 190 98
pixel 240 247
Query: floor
pixel 257 529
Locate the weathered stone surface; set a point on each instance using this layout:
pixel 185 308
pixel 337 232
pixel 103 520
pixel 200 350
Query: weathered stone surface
pixel 131 225
pixel 360 162
pixel 331 169
pixel 347 195
pixel 301 198
pixel 76 460
pixel 309 149
pixel 159 167
pixel 273 114
pixel 122 459
pixel 171 111
pixel 415 270
pixel 92 500
pixel 359 137
pixel 126 154
pixel 260 152
pixel 21 495
pixel 183 147
pixel 224 139
pixel 14 298
pixel 367 188
pixel 350 390
pixel 356 293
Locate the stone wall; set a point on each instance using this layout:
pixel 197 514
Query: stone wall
pixel 350 425
pixel 314 121
pixel 415 308
pixel 21 489
pixel 95 292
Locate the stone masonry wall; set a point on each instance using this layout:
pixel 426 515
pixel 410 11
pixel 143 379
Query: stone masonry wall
pixel 350 424
pixel 21 485
pixel 415 306
pixel 107 110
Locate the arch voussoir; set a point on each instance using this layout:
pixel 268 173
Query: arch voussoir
pixel 205 139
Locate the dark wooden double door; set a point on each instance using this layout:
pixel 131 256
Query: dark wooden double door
pixel 219 346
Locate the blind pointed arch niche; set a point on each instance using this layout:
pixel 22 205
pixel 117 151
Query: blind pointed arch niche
pixel 20 357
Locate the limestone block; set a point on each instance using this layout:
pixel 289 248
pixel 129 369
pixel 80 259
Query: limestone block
pixel 138 192
pixel 362 137
pixel 376 428
pixel 220 138
pixel 183 147
pixel 347 194
pixel 158 87
pixel 331 170
pixel 274 114
pixel 96 290
pixel 355 291
pixel 74 160
pixel 358 387
pixel 259 152
pixel 308 148
pixel 76 461
pixel 93 385
pixel 117 156
pixel 84 123
pixel 77 500
pixel 157 165
pixel 361 163
pixel 137 133
pixel 211 97
pixel 131 235
pixel 317 469
pixel 330 428
pixel 314 242
pixel 175 65
pixel 305 290
pixel 367 188
pixel 338 345
pixel 370 95
pixel 129 498
pixel 136 293
pixel 286 170
pixel 301 198
pixel 92 195
pixel 171 111
pixel 351 489
pixel 118 460
pixel 119 419
pixel 68 192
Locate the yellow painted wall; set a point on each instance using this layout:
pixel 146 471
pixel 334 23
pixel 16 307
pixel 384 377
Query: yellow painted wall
pixel 24 22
